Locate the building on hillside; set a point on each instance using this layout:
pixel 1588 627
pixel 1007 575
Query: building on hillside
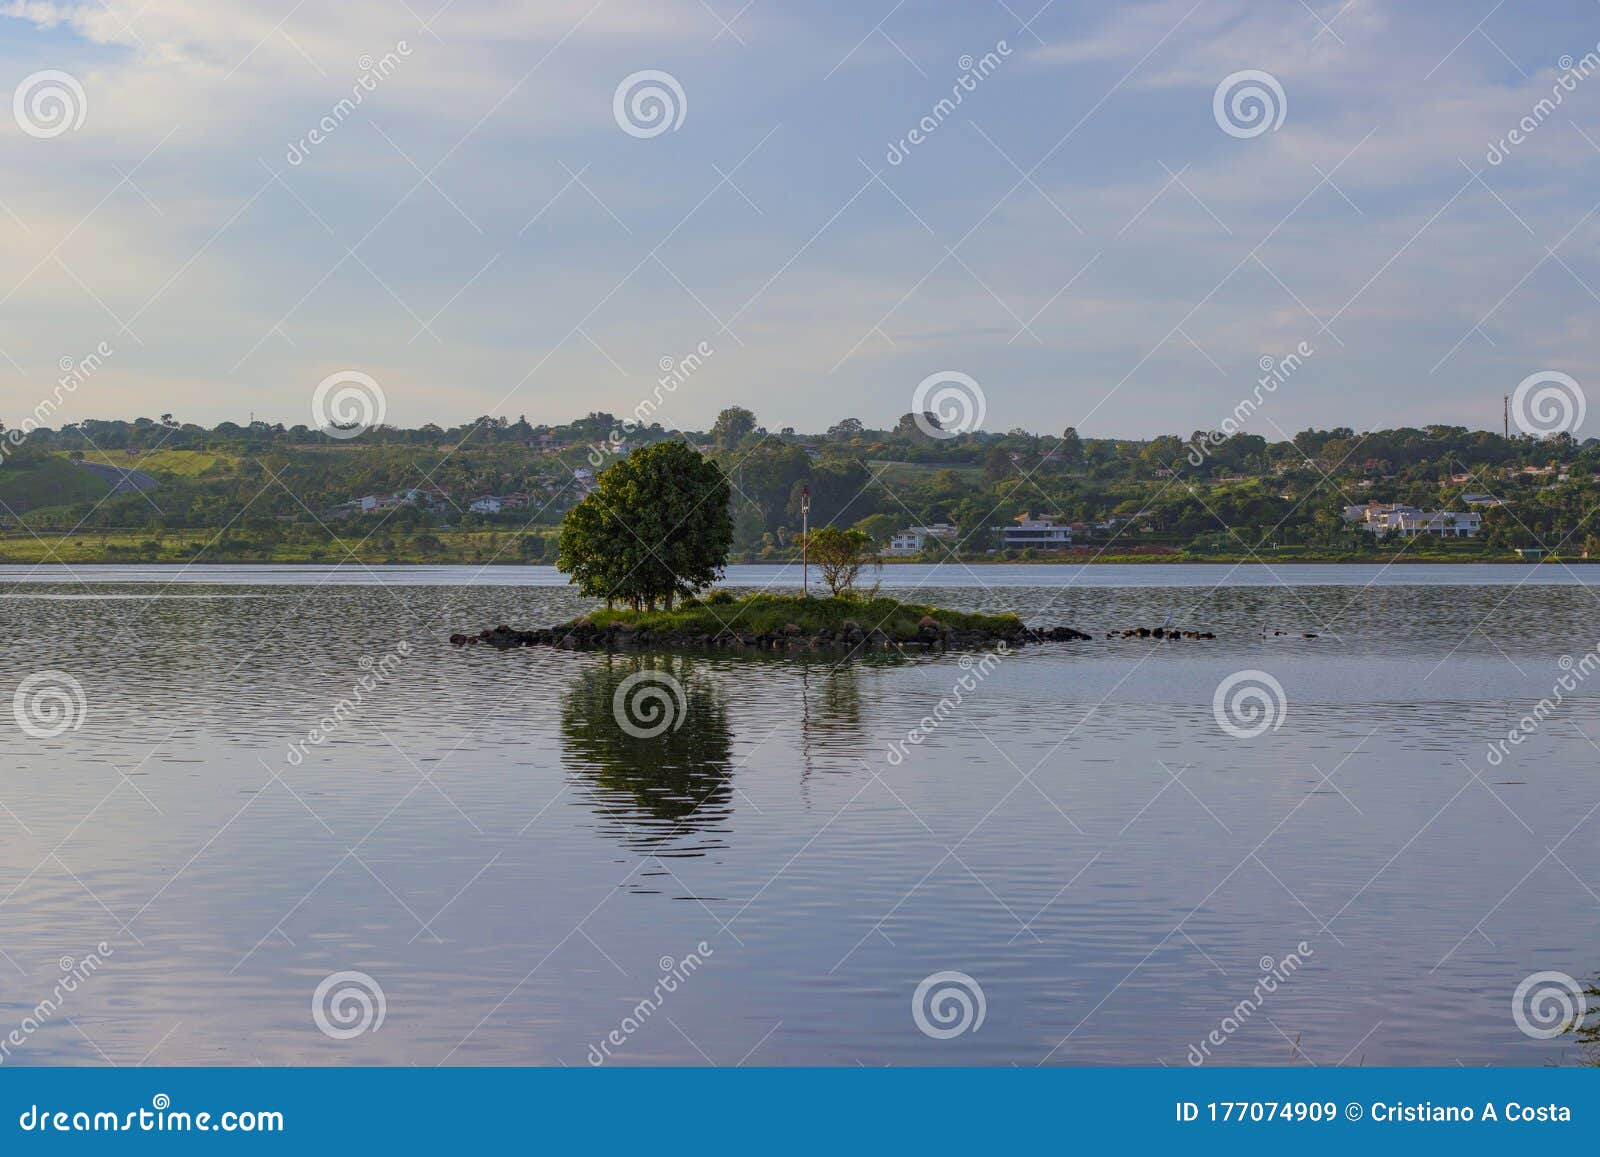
pixel 488 504
pixel 917 539
pixel 1030 533
pixel 1438 524
pixel 1383 519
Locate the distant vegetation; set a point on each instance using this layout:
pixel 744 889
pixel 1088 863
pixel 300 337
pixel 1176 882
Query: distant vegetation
pixel 497 490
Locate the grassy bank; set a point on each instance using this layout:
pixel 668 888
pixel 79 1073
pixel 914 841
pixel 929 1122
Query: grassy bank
pixel 473 548
pixel 761 614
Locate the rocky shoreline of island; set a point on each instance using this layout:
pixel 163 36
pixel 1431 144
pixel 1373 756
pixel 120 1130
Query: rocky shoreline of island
pixel 792 626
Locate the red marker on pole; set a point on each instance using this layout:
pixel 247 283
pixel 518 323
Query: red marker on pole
pixel 805 534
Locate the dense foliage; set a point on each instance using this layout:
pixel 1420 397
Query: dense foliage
pixel 266 492
pixel 656 527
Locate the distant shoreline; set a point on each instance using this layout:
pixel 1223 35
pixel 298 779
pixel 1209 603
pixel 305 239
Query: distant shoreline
pixel 1109 560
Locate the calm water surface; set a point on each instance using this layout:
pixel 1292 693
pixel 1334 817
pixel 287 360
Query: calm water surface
pixel 1078 834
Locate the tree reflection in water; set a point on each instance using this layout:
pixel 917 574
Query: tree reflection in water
pixel 647 738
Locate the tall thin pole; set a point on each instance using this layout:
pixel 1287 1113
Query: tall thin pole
pixel 805 535
pixel 1505 415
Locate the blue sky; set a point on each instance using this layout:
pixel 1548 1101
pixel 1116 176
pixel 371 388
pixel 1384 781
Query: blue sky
pixel 1080 235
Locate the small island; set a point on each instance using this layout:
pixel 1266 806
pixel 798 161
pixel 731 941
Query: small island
pixel 782 623
pixel 654 536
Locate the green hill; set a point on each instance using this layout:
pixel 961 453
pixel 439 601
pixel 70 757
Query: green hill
pixel 33 483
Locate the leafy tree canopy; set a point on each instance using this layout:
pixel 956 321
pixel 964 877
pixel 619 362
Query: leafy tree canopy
pixel 840 555
pixel 656 527
pixel 731 426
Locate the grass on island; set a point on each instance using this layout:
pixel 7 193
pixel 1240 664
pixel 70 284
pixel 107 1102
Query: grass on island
pixel 759 614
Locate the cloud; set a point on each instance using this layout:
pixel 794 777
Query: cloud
pixel 483 188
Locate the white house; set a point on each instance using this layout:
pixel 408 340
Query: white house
pixel 915 540
pixel 1384 519
pixel 1037 533
pixel 1440 524
pixel 488 504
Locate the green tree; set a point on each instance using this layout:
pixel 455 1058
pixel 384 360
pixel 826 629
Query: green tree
pixel 908 426
pixel 997 464
pixel 879 528
pixel 656 527
pixel 1070 448
pixel 731 426
pixel 840 555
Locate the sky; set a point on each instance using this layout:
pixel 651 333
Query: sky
pixel 1095 235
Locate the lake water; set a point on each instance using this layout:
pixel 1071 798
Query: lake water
pixel 1080 835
